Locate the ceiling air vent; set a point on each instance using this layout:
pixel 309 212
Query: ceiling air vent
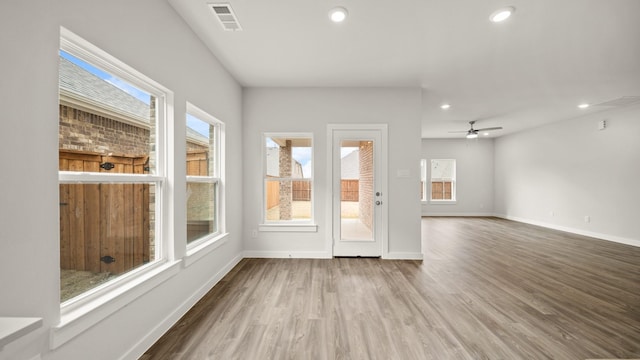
pixel 620 102
pixel 226 16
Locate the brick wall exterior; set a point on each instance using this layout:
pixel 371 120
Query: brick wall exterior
pixel 83 131
pixel 366 185
pixel 286 189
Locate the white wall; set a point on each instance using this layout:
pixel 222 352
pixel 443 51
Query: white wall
pixel 474 176
pixel 149 36
pixel 310 110
pixel 557 174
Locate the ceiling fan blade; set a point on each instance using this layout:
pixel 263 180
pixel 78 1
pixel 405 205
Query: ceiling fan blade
pixel 459 132
pixel 489 129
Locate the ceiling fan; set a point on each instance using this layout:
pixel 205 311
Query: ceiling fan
pixel 473 133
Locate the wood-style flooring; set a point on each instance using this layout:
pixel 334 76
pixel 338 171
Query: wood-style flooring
pixel 487 289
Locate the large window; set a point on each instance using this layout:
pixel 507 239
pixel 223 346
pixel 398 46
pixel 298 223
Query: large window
pixel 288 178
pixel 443 180
pixel 112 169
pixel 203 175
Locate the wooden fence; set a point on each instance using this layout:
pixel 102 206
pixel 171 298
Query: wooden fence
pixel 302 191
pixel 273 194
pixel 103 227
pixel 441 190
pixel 349 190
pixel 197 163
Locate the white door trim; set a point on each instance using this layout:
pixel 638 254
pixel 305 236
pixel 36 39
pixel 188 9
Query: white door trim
pixel 383 182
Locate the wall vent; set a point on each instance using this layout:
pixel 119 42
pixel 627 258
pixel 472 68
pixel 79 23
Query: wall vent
pixel 226 16
pixel 620 102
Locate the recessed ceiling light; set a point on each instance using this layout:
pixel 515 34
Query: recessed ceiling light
pixel 502 14
pixel 338 14
pixel 583 106
pixel 445 106
pixel 485 134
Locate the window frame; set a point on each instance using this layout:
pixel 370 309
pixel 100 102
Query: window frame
pixel 85 310
pixel 298 225
pixel 423 180
pixel 452 179
pixel 217 178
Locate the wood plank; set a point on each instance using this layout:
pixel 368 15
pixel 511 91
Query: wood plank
pixel 487 289
pixel 129 221
pixel 105 228
pixel 117 214
pixel 146 225
pixel 65 228
pixel 138 215
pixel 92 220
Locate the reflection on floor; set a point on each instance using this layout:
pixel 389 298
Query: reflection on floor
pixel 354 229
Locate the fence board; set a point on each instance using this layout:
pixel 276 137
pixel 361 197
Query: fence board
pixel 273 193
pixel 349 190
pixel 301 190
pixel 197 162
pixel 65 232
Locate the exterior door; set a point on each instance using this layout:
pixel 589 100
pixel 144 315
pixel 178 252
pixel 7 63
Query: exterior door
pixel 358 192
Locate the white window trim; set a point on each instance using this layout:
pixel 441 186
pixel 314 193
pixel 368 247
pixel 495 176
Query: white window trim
pixel 423 179
pixel 84 311
pixel 208 242
pixel 287 225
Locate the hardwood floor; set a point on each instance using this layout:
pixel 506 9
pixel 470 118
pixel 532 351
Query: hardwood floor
pixel 487 289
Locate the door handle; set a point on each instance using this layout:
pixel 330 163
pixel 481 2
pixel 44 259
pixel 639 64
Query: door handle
pixel 378 202
pixel 378 193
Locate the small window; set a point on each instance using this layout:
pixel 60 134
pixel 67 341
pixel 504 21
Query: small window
pixel 203 175
pixel 288 178
pixel 423 180
pixel 443 180
pixel 111 173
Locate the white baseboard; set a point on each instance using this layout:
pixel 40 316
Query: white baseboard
pixel 431 213
pixel 156 333
pixel 404 256
pixel 287 254
pixel 608 237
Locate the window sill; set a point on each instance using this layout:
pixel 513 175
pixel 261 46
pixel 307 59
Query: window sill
pixel 288 227
pixel 13 328
pixel 77 317
pixel 443 202
pixel 199 250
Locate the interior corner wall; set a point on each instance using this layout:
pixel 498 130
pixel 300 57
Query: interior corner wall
pixel 474 176
pixel 150 37
pixel 311 110
pixel 571 176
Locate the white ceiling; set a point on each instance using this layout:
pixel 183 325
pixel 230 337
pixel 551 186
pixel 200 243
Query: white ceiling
pixel 533 69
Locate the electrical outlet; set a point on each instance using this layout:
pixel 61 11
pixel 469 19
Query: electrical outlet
pixel 254 233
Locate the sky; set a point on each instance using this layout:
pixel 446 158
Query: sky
pixel 300 154
pixel 117 82
pixel 202 127
pixel 194 123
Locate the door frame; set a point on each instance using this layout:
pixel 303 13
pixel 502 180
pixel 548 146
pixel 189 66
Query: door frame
pixel 382 186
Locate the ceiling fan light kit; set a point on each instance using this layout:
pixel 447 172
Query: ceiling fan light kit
pixel 338 14
pixel 502 14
